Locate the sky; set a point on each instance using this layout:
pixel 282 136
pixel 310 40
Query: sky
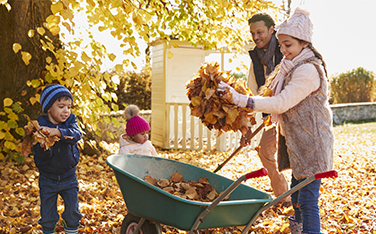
pixel 344 33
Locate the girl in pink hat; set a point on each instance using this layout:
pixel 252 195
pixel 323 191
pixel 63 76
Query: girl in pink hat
pixel 136 139
pixel 300 108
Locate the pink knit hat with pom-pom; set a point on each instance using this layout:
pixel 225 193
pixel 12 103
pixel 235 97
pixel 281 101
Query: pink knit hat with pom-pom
pixel 298 25
pixel 135 123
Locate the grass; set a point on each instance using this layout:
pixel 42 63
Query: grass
pixel 356 128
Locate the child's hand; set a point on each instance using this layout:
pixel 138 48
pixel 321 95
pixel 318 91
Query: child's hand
pixel 51 131
pixel 237 98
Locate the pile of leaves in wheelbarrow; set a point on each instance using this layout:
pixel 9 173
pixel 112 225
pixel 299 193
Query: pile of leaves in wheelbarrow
pixel 200 190
pixel 347 204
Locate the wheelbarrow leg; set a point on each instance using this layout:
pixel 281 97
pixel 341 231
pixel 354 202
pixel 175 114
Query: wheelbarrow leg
pixel 327 174
pixel 139 225
pixel 141 222
pixel 224 194
pixel 159 228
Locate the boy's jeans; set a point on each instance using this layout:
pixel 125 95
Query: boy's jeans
pixel 306 205
pixel 49 191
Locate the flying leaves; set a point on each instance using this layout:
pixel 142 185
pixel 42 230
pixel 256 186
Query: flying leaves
pixel 35 134
pixel 215 109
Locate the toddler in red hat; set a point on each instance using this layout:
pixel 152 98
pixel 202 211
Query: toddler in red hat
pixel 136 138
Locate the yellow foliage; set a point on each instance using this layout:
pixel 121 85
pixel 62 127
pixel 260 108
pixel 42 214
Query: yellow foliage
pixel 35 83
pixel 209 24
pixel 170 55
pixel 31 33
pixel 67 14
pixel 16 47
pixel 10 145
pixel 57 7
pixel 7 102
pixel 52 20
pixel 33 100
pixel 26 56
pixel 54 30
pixel 41 31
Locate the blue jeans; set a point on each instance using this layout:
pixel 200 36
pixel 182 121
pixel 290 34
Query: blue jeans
pixel 49 191
pixel 305 202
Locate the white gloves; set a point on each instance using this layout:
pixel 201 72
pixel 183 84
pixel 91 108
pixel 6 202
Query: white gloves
pixel 237 98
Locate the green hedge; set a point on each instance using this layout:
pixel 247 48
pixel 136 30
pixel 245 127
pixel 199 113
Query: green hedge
pixel 357 85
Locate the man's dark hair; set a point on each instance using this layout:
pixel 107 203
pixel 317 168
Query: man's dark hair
pixel 262 17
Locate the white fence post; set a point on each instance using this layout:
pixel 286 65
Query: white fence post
pixel 179 134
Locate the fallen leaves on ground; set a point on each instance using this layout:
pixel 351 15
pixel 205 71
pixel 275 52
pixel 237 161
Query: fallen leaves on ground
pixel 347 203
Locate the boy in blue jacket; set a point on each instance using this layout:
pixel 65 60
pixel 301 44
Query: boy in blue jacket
pixel 57 166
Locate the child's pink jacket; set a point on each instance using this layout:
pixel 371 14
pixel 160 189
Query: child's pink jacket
pixel 130 147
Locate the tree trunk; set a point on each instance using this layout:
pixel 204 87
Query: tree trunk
pixel 15 24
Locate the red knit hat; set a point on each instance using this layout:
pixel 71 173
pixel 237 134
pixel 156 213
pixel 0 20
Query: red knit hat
pixel 135 123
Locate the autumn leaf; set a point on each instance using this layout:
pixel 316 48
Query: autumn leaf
pixel 16 47
pixel 215 109
pixel 176 177
pixel 26 56
pixel 33 135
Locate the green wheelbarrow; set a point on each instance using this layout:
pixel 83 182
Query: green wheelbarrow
pixel 150 206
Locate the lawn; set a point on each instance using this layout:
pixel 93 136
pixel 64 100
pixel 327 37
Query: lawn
pixel 347 203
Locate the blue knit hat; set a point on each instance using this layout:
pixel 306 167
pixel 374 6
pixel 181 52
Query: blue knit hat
pixel 51 93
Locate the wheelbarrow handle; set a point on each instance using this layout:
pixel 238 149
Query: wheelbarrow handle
pixel 239 148
pixel 259 173
pixel 322 175
pixel 327 174
pixel 224 194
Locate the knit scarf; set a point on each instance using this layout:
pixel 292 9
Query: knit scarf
pixel 286 66
pixel 267 56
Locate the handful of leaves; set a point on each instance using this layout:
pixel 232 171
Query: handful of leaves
pixel 35 134
pixel 215 108
pixel 199 190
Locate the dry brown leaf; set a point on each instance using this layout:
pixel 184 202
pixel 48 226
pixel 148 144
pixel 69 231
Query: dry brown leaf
pixel 176 177
pixel 150 180
pixel 33 135
pixel 212 195
pixel 169 189
pixel 191 193
pixel 203 180
pixel 186 186
pixel 163 183
pixel 215 109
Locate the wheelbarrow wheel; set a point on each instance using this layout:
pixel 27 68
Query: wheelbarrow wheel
pixel 130 223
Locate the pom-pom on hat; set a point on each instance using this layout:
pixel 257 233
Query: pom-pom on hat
pixel 135 123
pixel 51 93
pixel 298 25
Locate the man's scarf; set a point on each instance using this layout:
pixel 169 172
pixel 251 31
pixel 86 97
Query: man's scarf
pixel 267 56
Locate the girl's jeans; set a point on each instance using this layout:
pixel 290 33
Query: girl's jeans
pixel 305 203
pixel 49 191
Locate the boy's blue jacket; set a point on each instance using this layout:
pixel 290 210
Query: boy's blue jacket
pixel 59 162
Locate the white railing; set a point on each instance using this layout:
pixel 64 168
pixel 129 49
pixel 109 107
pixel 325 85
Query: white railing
pixel 187 132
